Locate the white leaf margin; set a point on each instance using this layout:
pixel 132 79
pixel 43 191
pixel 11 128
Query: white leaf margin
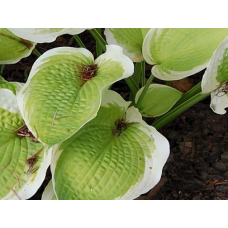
pixel 35 34
pixel 48 193
pixel 153 164
pixel 209 82
pixel 34 182
pixel 8 102
pixel 113 52
pixel 219 103
pixel 16 60
pixel 156 70
pixel 158 157
pixel 135 57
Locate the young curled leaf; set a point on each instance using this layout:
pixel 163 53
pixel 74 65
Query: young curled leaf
pixel 158 100
pixel 215 79
pixel 114 156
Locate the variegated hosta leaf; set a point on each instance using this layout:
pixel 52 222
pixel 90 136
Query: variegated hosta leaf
pixel 49 193
pixel 114 156
pixel 54 101
pixel 158 100
pixel 16 180
pixel 13 48
pixel 13 86
pixel 215 78
pixel 181 52
pixel 130 39
pixel 44 35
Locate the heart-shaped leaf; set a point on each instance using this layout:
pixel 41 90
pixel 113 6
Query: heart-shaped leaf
pixel 13 48
pixel 65 87
pixel 130 39
pixel 44 35
pixel 23 163
pixel 181 52
pixel 158 100
pixel 114 156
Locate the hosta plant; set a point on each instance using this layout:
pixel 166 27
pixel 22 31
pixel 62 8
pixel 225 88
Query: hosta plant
pixel 98 145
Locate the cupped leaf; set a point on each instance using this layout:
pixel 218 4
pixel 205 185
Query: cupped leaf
pixel 13 48
pixel 130 39
pixel 158 100
pixel 114 156
pixel 215 78
pixel 13 86
pixel 44 35
pixel 56 102
pixel 49 193
pixel 18 180
pixel 181 52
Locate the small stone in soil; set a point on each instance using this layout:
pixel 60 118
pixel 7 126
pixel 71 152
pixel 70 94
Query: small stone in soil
pixel 224 156
pixel 204 176
pixel 220 166
pixel 222 188
pixel 212 171
pixel 226 174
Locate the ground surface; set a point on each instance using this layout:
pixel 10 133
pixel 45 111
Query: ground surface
pixel 197 167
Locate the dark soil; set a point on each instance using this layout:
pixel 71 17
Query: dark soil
pixel 197 167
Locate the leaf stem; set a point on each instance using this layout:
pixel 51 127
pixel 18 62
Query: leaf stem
pixel 26 75
pixel 98 47
pixel 136 78
pixel 97 36
pixel 137 73
pixel 36 52
pixel 170 116
pixel 195 90
pixel 2 68
pixel 169 83
pixel 79 41
pixel 143 76
pixel 132 85
pixel 144 90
